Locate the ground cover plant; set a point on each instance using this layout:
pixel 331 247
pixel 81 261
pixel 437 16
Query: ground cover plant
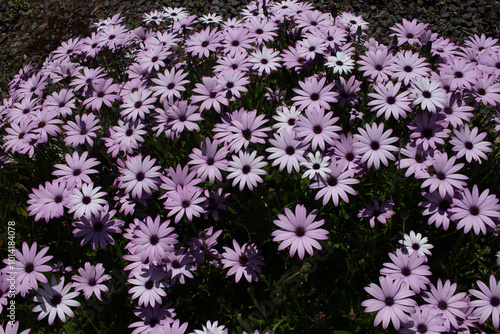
pixel 277 172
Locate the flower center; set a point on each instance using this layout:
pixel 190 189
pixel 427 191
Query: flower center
pixel 138 104
pixel 378 67
pixel 409 35
pixel 29 268
pixel 140 176
pixel 427 133
pixel 415 246
pixel 247 134
pixel 92 282
pixel 235 43
pixel 459 75
pixel 98 226
pixel 153 240
pixel 389 301
pixel 406 271
pixel 204 44
pixel 481 91
pixel 176 264
pixel 474 210
pixel 56 299
pixel 332 181
pixel 291 121
pixel 259 31
pixel 185 204
pixel 349 156
pixel 408 69
pixel 317 129
pixel 243 260
pixel 495 301
pixel 442 305
pixel 299 231
pixel 441 176
pixel 58 199
pixel 339 63
pixel 422 328
pixel 264 61
pixel 290 150
pixel 246 169
pixel 149 285
pixel 391 100
pixel 427 94
pixel 315 96
pixel 374 145
pixel 86 200
pixel 210 161
pixel 129 132
pixel 77 172
pixel 468 145
pixel 444 205
pixel 213 95
pixel 448 110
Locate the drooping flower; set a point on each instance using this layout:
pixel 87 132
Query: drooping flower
pixel 377 212
pixel 299 231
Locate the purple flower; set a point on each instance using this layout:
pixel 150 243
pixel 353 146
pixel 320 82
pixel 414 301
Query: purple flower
pixel 299 231
pixel 154 320
pixel 77 169
pixel 169 84
pixel 407 66
pixel 90 280
pixel 374 145
pixel 378 212
pixel 211 328
pixel 139 176
pixel 286 151
pixel 444 177
pixel 488 303
pixel 408 268
pixel 389 102
pixel 104 91
pixel 29 268
pixel 409 31
pixel 201 43
pixel 265 60
pixel 426 320
pixel 314 94
pixel 153 239
pixel 175 327
pixel 13 328
pixel 210 94
pixel 49 202
pixel 428 94
pixel 336 184
pixel 81 130
pixel 137 104
pixel 474 210
pixel 86 201
pixel 317 128
pixel 209 161
pixel 148 286
pixel 184 201
pixel 391 301
pixel 243 261
pixel 55 300
pixel 449 304
pixel 179 264
pixel 246 169
pixel 469 143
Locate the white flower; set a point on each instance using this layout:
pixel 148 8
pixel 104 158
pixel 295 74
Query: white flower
pixel 415 242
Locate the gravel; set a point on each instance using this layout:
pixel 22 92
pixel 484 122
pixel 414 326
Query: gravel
pixel 31 29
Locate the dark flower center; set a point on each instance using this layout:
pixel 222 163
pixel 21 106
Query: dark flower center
pixel 332 181
pixel 176 264
pixel 204 44
pixel 138 104
pixel 441 176
pixel 474 210
pixel 419 158
pixel 100 94
pixel 246 169
pixel 243 260
pixel 316 166
pixel 415 246
pixel 41 124
pixel 84 131
pixel 444 205
pixel 317 129
pixel 230 85
pixel 154 59
pixel 247 134
pixel 58 199
pixel 481 91
pixel 312 48
pixel 29 268
pixel 406 271
pixel 129 132
pixel 86 200
pixel 234 66
pixel 408 69
pixel 291 121
pixel 314 96
pixel 140 176
pixel 442 305
pixel 427 133
pixel 259 31
pixel 77 172
pixel 378 67
pixel 182 118
pixel 61 104
pixel 213 95
pixel 422 328
pixel 459 75
pixel 468 145
pixel 56 299
pixel 389 301
pixel 409 35
pixel 98 226
pixel 185 204
pixel 210 161
pixel 497 65
pixel 149 285
pixel 235 43
pixel 299 231
pixel 290 150
pixel 448 110
pixel 427 94
pixel 339 63
pixel 171 85
pixel 21 135
pixel 374 145
pixel 349 156
pixel 495 301
pixel 264 61
pixel 391 100
pixel 300 60
pixel 92 282
pixel 153 240
pixel 376 213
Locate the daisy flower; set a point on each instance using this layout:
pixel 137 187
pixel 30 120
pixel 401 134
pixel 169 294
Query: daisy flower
pixel 416 243
pixel 170 83
pixel 286 118
pixel 90 280
pixel 374 145
pixel 55 300
pixel 243 261
pixel 389 102
pixel 428 94
pixel 209 161
pixel 29 268
pixel 299 231
pixel 201 43
pixel 246 169
pixel 210 94
pixel 317 128
pixel 184 201
pixel 139 176
pixel 377 212
pixel 179 265
pixel 82 130
pixel 148 286
pixel 265 60
pixel 488 303
pixel 408 31
pixel 286 151
pixel 336 184
pixel 341 63
pixel 314 94
pixel 474 210
pixel 211 328
pixel 392 301
pixel 408 268
pixel 318 166
pixel 444 177
pixel 77 169
pixel 137 105
pixel 407 66
pixel 469 143
pixel 438 208
pixel 86 201
pixel 425 320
